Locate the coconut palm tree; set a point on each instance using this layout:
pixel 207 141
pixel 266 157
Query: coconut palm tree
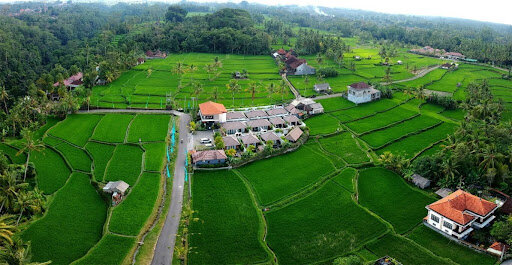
pixel 9 190
pixel 23 204
pixel 282 89
pixel 198 88
pixel 319 59
pixel 30 144
pixel 234 87
pixel 4 96
pixel 271 88
pixel 253 86
pixel 7 229
pixel 179 68
pixel 215 94
pixel 18 253
pixel 490 158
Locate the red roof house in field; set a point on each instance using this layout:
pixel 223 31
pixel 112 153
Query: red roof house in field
pixel 72 81
pixel 458 213
pixel 155 55
pixel 281 52
pixel 211 112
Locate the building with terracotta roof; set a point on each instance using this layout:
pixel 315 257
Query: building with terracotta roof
pixel 362 92
pixel 73 81
pixel 498 249
pixel 459 213
pixel 211 112
pixel 209 157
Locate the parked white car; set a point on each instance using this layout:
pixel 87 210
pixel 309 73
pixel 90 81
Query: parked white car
pixel 206 141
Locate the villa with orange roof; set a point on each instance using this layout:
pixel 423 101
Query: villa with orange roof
pixel 459 213
pixel 211 112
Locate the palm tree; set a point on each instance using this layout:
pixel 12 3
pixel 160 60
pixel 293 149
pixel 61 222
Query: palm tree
pixel 234 87
pixel 9 189
pixel 282 89
pixel 7 229
pixel 18 253
pixel 271 88
pixel 253 86
pixel 490 158
pixel 215 94
pixel 198 88
pixel 30 144
pixel 23 203
pixel 306 82
pixel 217 62
pixel 4 96
pixel 150 71
pixel 319 59
pixel 179 68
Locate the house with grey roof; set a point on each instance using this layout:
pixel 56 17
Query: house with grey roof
pixel 235 116
pixel 277 122
pixel 250 139
pixel 292 120
pixel 116 187
pixel 234 127
pixel 322 88
pixel 277 112
pixel 209 157
pixel 256 114
pixel 420 181
pixel 230 142
pixel 292 110
pixel 443 192
pixel 270 137
pixel 259 125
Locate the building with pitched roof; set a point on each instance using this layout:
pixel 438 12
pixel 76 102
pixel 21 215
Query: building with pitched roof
pixel 420 181
pixel 235 116
pixel 209 157
pixel 277 112
pixel 498 249
pixel 292 120
pixel 322 88
pixel 459 213
pixel 250 139
pixel 272 137
pixel 294 134
pixel 259 125
pixel 72 82
pixel 256 114
pixel 277 122
pixel 234 127
pixel 230 142
pixel 362 92
pixel 211 112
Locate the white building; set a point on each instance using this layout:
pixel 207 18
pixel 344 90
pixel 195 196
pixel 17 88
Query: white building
pixel 362 92
pixel 211 112
pixel 459 213
pixel 305 69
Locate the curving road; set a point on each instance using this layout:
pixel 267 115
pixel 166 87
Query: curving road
pixel 165 244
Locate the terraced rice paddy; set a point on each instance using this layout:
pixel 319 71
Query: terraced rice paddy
pixel 140 88
pixel 73 227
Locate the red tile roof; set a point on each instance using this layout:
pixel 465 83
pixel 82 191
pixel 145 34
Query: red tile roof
pixel 281 52
pixel 454 206
pixel 72 80
pixel 499 246
pixel 211 108
pixel 360 85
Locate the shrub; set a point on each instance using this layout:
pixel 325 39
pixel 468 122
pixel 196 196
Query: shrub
pixel 328 72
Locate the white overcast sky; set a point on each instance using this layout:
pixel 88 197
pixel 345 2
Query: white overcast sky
pixel 499 11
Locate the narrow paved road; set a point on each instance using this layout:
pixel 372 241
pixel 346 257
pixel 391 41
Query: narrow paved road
pixel 421 73
pixel 290 85
pixel 165 244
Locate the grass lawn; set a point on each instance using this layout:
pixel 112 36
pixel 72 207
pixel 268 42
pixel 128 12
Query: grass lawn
pixel 379 138
pixel 52 171
pixel 457 114
pixel 155 156
pixel 280 176
pixel 148 128
pixel 321 226
pixel 322 124
pixel 101 154
pixel 413 144
pixel 229 229
pixel 380 120
pixel 344 145
pixel 71 226
pixel 386 194
pixel 112 128
pixel 50 122
pixel 111 250
pixel 444 247
pixel 76 128
pixel 125 164
pixel 78 159
pixel 404 251
pixel 346 178
pixel 337 103
pixel 131 215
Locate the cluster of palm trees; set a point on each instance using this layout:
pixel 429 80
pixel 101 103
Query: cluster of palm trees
pixel 479 153
pixel 18 199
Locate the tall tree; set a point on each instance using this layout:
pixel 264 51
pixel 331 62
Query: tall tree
pixel 30 144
